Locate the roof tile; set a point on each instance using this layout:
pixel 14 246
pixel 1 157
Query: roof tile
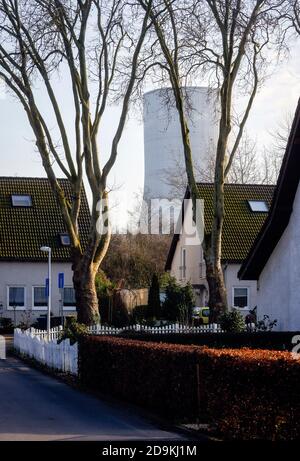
pixel 24 230
pixel 241 225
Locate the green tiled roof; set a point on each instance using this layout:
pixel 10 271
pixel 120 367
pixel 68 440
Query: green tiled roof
pixel 24 230
pixel 241 225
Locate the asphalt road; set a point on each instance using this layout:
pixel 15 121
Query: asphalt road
pixel 34 406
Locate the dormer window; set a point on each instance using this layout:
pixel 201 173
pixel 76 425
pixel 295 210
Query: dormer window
pixel 65 240
pixel 258 206
pixel 23 201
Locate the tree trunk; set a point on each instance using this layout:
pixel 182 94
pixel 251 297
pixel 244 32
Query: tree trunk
pixel 217 291
pixel 84 274
pixel 85 268
pixel 213 250
pixel 85 294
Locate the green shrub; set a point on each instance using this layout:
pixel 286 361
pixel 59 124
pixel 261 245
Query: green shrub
pixel 26 320
pixel 179 302
pixel 105 289
pixel 120 315
pixel 112 309
pixel 232 321
pixel 73 330
pixel 165 279
pixel 140 314
pixel 271 340
pixel 6 323
pixel 154 307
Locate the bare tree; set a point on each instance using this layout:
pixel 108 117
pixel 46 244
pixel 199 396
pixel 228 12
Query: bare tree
pixel 97 44
pixel 133 257
pixel 248 167
pixel 290 13
pixel 225 43
pixel 245 166
pixel 272 154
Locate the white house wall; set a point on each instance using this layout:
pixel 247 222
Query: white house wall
pixel 29 275
pixel 232 281
pixel 279 283
pixel 195 262
pixel 193 252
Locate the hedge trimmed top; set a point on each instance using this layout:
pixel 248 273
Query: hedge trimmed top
pixel 241 224
pixel 23 230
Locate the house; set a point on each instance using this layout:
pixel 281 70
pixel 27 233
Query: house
pixel 274 259
pixel 246 208
pixel 29 219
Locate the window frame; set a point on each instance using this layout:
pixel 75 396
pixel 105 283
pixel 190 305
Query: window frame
pixel 38 308
pixel 68 308
pixel 20 205
pixel 183 264
pixel 18 308
pixel 62 235
pixel 248 297
pixel 252 201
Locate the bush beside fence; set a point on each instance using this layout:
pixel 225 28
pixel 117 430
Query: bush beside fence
pixel 271 340
pixel 246 393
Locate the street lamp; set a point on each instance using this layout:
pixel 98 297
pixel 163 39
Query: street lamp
pixel 48 250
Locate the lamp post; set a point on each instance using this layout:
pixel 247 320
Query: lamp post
pixel 48 250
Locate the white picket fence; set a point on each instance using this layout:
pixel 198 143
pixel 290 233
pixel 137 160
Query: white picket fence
pixel 107 330
pixel 64 357
pixel 42 334
pixel 34 344
pixel 167 329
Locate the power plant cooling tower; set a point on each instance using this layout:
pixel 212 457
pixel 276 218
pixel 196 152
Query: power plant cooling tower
pixel 162 137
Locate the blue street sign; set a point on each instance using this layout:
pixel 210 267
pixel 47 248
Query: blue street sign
pixel 61 280
pixel 47 288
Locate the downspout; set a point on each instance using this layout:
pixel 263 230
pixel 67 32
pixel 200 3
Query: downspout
pixel 225 278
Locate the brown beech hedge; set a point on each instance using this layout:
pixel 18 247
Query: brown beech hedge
pixel 245 393
pixel 272 340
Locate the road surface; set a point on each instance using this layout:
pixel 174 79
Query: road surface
pixel 34 406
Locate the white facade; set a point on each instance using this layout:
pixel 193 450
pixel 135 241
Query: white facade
pixel 162 134
pixel 279 282
pixel 28 275
pixel 188 266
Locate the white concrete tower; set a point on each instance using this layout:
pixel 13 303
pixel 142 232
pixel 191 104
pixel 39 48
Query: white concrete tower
pixel 162 135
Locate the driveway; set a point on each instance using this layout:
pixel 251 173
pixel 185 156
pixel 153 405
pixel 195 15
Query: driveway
pixel 34 406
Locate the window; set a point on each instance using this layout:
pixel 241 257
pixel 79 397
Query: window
pixel 65 240
pixel 39 297
pixel 23 201
pixel 202 267
pixel 240 297
pixel 258 205
pixel 16 297
pixel 69 297
pixel 183 263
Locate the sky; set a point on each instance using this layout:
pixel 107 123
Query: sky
pixel 275 101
